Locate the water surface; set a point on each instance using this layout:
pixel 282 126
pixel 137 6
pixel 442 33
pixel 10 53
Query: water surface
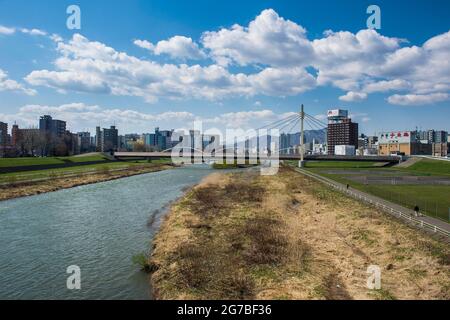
pixel 98 227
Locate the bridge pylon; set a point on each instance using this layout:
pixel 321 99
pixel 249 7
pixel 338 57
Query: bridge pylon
pixel 301 163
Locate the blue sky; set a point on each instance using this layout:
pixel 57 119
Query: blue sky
pixel 144 63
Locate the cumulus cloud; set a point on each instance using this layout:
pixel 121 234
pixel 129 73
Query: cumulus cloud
pixel 81 116
pixel 244 119
pixel 418 99
pixel 384 86
pixel 144 44
pixel 34 32
pixel 87 66
pixel 177 47
pixel 359 63
pixel 353 96
pixel 280 60
pixel 7 84
pixel 268 40
pixel 6 31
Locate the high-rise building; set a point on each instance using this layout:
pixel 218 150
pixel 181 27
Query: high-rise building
pixel 3 133
pixel 98 139
pixel 402 143
pixel 14 134
pixel 149 139
pixel 84 142
pixel 440 144
pixel 109 139
pixel 341 130
pixel 53 127
pixel 440 136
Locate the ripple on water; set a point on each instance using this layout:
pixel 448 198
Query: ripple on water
pixel 98 227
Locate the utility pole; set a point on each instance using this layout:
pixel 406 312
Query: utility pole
pixel 301 164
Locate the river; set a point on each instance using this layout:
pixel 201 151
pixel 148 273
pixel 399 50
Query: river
pixel 98 227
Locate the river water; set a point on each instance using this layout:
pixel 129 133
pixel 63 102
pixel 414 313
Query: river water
pixel 98 227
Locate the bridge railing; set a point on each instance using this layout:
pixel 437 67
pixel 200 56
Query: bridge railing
pixel 390 210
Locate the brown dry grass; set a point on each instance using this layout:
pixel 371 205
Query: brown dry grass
pixel 16 190
pixel 245 236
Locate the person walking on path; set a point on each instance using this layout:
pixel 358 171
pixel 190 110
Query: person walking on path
pixel 416 211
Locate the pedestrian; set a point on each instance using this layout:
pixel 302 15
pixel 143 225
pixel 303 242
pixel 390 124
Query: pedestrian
pixel 416 211
pixel 348 186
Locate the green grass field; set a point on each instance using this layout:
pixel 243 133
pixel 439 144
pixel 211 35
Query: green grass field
pixel 44 174
pixel 340 164
pixel 37 161
pixel 433 200
pixel 430 167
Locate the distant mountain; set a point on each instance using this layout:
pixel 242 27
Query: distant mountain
pixel 320 136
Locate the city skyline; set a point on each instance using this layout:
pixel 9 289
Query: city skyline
pixel 190 68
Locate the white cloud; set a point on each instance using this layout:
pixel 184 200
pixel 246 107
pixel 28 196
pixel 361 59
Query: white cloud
pixel 268 40
pixel 56 37
pixel 418 99
pixel 353 96
pixel 384 86
pixel 243 119
pixel 144 44
pixel 6 31
pixel 180 47
pixel 86 66
pixel 12 85
pixel 80 116
pixel 364 62
pixel 281 61
pixel 177 47
pixel 34 32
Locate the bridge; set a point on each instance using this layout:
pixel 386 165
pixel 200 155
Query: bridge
pixel 294 157
pixel 291 122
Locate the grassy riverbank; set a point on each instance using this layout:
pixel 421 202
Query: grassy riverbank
pixel 42 161
pixel 431 196
pixel 246 236
pixel 15 185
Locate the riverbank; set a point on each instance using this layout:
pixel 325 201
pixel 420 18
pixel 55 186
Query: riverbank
pixel 56 180
pixel 246 236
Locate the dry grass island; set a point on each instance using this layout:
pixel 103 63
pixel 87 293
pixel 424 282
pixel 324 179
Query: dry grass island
pixel 246 236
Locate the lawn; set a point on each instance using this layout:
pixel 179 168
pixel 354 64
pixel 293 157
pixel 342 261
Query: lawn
pixel 38 161
pixel 430 167
pixel 433 200
pixel 341 164
pixel 43 174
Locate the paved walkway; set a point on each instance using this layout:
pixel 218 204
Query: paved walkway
pixel 407 214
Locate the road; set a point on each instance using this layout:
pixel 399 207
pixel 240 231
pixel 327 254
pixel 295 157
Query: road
pixel 425 222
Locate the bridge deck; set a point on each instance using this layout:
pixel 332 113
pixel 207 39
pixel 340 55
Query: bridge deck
pixel 149 155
